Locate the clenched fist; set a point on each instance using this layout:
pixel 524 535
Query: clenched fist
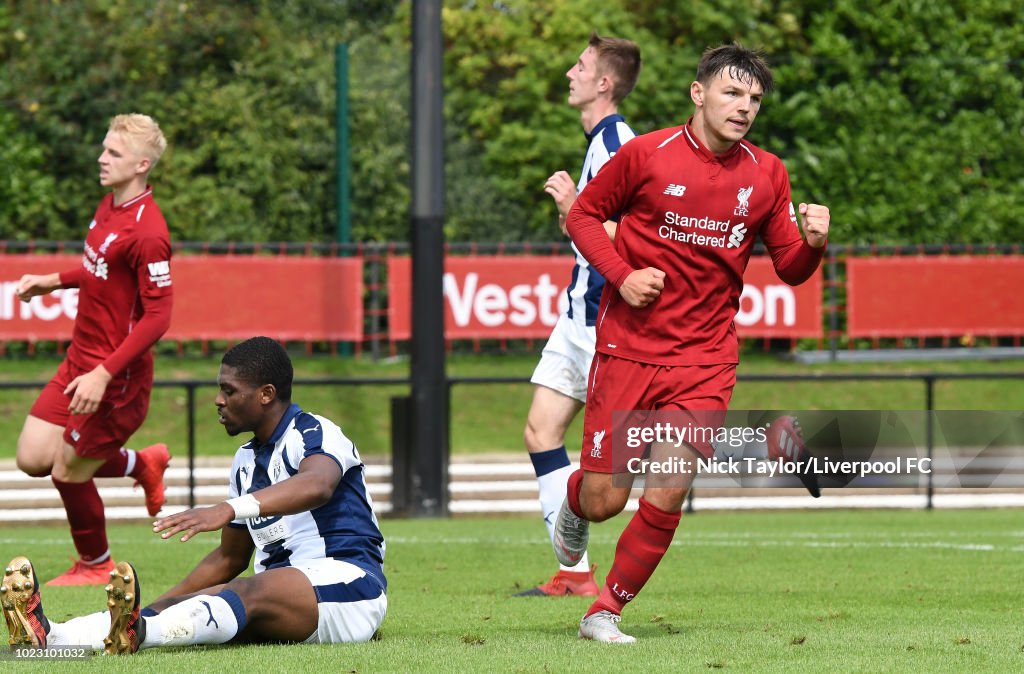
pixel 815 219
pixel 642 287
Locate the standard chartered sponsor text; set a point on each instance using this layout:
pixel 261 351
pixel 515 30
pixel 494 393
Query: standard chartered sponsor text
pixel 673 221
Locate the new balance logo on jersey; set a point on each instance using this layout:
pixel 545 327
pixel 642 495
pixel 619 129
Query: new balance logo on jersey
pixel 743 200
pixel 160 273
pixel 596 451
pixel 674 190
pixel 736 237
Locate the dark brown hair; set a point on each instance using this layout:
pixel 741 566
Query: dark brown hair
pixel 744 64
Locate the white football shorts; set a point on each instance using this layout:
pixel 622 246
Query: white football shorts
pixel 352 602
pixel 565 362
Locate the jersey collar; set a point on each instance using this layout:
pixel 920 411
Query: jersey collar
pixel 282 426
pixel 707 155
pixel 134 200
pixel 603 124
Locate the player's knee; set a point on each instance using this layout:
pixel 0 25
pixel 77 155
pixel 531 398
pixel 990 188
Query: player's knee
pixel 32 463
pixel 539 439
pixel 249 592
pixel 32 468
pixel 604 504
pixel 603 510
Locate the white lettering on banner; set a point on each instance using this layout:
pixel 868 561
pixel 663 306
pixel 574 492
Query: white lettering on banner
pixel 61 302
pixel 492 305
pixel 524 312
pixel 765 306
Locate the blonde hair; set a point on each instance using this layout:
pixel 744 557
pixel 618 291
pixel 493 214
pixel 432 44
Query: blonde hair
pixel 142 133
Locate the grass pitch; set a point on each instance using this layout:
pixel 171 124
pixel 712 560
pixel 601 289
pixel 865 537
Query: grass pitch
pixel 753 591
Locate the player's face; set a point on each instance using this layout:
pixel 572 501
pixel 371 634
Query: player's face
pixel 584 79
pixel 728 104
pixel 237 401
pixel 119 163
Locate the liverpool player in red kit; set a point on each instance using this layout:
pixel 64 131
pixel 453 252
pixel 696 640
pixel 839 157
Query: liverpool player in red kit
pixel 691 201
pixel 100 395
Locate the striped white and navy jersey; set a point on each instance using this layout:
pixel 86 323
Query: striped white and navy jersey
pixel 344 528
pixel 585 288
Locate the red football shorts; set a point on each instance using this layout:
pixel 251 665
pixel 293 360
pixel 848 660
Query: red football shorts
pixel 99 435
pixel 620 385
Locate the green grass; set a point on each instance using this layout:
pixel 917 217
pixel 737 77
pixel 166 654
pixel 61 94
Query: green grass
pixel 487 418
pixel 874 591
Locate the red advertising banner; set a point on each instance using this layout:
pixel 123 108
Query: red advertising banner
pixel 215 297
pixel 497 297
pixel 771 308
pixel 941 296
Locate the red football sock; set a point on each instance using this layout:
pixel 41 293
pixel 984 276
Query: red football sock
pixel 573 487
pixel 641 546
pixel 114 467
pixel 85 515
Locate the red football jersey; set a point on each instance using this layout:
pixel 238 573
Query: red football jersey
pixel 694 216
pixel 124 288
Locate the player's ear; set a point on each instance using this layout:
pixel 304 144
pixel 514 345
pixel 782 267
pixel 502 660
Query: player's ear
pixel 697 93
pixel 143 165
pixel 268 393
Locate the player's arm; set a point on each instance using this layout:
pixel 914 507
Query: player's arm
pixel 31 285
pixel 151 260
pixel 311 487
pixel 157 298
pixel 794 257
pixel 563 190
pixel 225 563
pixel 606 195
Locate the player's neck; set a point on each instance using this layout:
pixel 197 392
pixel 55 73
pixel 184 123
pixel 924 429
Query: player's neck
pixel 717 145
pixel 266 427
pixel 129 190
pixel 591 115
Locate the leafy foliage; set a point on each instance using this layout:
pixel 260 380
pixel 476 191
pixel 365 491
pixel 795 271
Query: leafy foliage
pixel 903 116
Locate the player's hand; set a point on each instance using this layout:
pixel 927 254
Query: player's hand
pixel 815 224
pixel 642 287
pixel 88 390
pixel 563 190
pixel 31 285
pixel 194 521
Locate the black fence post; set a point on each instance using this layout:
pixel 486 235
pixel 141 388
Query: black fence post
pixel 190 396
pixel 929 404
pixel 402 488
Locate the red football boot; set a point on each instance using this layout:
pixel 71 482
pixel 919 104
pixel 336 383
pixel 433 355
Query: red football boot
pixel 81 573
pixel 578 583
pixel 786 443
pixel 150 464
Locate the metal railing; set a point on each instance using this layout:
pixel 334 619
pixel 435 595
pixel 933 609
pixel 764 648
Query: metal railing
pixel 928 379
